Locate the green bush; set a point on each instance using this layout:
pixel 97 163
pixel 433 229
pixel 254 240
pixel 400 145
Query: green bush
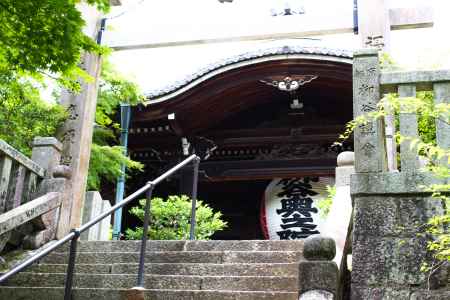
pixel 170 219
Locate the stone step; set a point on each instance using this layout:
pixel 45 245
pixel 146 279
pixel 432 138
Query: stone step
pixel 41 293
pixel 170 282
pixel 134 246
pixel 257 269
pixel 179 257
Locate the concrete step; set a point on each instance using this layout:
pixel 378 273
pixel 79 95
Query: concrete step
pixel 170 282
pixel 244 269
pixel 42 293
pixel 238 270
pixel 179 257
pixel 134 246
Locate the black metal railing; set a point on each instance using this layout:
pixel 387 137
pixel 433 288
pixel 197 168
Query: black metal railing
pixel 74 235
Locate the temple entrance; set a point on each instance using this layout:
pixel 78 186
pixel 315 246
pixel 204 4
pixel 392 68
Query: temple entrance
pixel 270 114
pixel 240 204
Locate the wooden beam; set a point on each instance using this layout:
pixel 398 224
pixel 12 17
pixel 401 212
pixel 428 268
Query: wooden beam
pixel 237 141
pixel 120 46
pixel 400 18
pixel 141 142
pixel 259 170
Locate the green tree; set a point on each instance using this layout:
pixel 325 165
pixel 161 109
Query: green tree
pixel 38 40
pixel 24 115
pixel 106 157
pixel 44 38
pixel 170 219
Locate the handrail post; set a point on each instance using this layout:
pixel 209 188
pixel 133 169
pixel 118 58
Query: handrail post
pixel 71 265
pixel 147 216
pixel 196 163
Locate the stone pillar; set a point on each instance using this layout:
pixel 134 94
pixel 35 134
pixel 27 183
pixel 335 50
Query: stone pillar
pixel 105 225
pixel 375 32
pixel 54 224
pixel 369 142
pixel 318 272
pixel 442 95
pixel 94 206
pixel 339 218
pixel 391 144
pixel 76 133
pixel 46 153
pixel 408 128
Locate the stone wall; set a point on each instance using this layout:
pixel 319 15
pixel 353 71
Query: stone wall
pixel 387 251
pixel 389 206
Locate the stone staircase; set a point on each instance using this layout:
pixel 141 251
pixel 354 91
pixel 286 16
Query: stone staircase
pixel 174 270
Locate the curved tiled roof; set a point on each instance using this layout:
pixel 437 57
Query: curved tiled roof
pixel 248 56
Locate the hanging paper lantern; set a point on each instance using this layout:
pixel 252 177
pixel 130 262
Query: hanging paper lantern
pixel 289 209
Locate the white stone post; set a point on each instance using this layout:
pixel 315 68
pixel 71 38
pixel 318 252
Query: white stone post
pixel 94 206
pixel 339 217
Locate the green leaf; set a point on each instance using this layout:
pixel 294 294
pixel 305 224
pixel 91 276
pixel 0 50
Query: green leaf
pixel 171 217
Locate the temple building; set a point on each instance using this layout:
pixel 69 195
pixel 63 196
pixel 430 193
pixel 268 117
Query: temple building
pixel 268 114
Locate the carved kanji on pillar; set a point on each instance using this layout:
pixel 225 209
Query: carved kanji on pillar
pixel 370 154
pixel 76 134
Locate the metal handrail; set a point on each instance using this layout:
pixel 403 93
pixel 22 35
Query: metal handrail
pixel 74 235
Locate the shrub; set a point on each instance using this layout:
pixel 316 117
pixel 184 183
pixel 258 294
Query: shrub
pixel 170 219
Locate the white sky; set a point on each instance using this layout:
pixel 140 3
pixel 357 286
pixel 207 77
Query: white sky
pixel 169 20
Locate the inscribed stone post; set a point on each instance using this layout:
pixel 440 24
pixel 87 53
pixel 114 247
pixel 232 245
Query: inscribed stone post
pixel 76 133
pixel 375 32
pixel 370 154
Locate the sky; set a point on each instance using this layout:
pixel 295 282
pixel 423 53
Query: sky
pixel 178 20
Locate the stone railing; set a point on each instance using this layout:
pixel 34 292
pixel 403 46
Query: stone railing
pixel 33 209
pixel 389 205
